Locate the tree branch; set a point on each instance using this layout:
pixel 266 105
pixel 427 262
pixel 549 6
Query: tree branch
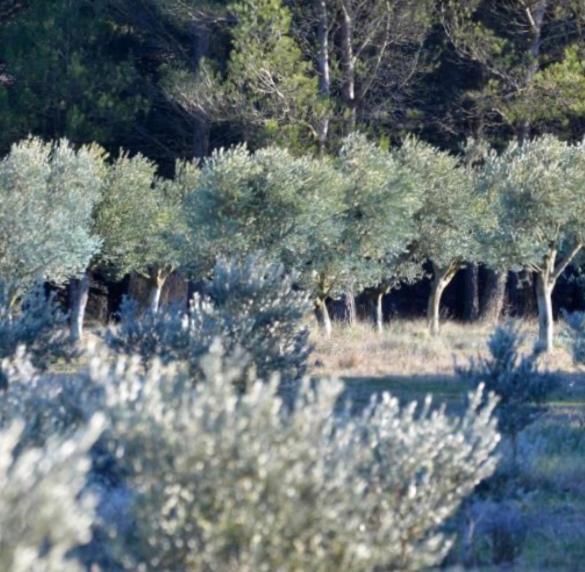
pixel 564 263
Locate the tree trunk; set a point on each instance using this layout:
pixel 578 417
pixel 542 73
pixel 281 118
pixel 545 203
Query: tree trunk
pixel 324 69
pixel 380 312
pixel 350 308
pixel 324 318
pixel 471 298
pixel 348 63
pixel 495 296
pixel 544 290
pixel 441 279
pixel 156 282
pixel 535 16
pixel 546 280
pixel 200 50
pixel 79 295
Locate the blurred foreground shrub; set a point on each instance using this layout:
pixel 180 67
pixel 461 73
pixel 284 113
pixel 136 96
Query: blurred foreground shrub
pixel 232 481
pixel 36 324
pixel 219 479
pixel 250 306
pixel 43 515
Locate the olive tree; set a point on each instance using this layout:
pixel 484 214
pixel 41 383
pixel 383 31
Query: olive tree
pixel 48 192
pixel 538 192
pixel 447 220
pixel 273 202
pixel 140 220
pixel 380 202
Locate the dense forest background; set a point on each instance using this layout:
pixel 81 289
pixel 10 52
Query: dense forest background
pixel 179 78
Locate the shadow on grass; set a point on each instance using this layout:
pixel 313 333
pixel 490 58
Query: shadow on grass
pixel 449 390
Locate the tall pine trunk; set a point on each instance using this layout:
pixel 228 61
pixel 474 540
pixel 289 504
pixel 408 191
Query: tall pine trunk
pixel 79 295
pixel 348 63
pixel 324 69
pixel 200 49
pixel 535 13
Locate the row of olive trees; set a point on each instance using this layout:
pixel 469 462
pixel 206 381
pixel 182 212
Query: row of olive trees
pixel 366 218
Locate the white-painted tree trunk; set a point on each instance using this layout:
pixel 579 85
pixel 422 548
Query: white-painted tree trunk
pixel 79 292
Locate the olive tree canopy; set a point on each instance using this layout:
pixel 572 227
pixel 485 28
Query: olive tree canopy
pixel 538 192
pixel 48 193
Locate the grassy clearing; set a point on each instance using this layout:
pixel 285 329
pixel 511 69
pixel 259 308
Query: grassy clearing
pixel 405 349
pixel 406 361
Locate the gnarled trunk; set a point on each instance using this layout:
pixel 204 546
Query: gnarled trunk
pixel 495 296
pixel 350 307
pixel 156 281
pixel 546 280
pixel 79 295
pixel 441 279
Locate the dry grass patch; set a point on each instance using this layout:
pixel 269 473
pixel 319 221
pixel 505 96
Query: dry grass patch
pixel 405 348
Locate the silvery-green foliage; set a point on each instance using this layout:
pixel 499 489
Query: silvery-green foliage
pixel 450 210
pixel 537 194
pixel 48 193
pixel 250 305
pixel 307 487
pixel 42 517
pixel 514 378
pixel 269 200
pixel 140 214
pixel 37 325
pixel 232 481
pixel 255 307
pixel 380 202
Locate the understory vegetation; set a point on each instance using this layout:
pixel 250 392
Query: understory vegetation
pixel 161 447
pixel 210 466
